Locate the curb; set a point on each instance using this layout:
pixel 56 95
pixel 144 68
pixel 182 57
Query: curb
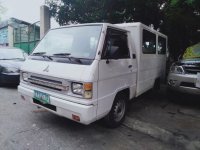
pixel 161 134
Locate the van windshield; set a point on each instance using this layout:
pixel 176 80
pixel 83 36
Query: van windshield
pixel 192 53
pixel 76 42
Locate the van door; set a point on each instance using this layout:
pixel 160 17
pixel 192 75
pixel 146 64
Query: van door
pixel 117 69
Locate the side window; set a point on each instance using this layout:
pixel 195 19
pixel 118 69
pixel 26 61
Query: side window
pixel 148 43
pixel 116 45
pixel 162 45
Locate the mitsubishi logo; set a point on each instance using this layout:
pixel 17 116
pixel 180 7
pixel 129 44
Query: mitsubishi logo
pixel 46 69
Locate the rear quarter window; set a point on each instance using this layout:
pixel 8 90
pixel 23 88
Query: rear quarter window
pixel 148 42
pixel 162 45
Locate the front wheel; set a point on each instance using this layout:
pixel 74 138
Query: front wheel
pixel 117 113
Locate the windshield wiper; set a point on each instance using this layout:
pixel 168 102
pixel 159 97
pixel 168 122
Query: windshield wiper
pixel 77 60
pixel 5 59
pixel 67 55
pixel 46 56
pixel 38 53
pixel 12 59
pixel 61 54
pixel 17 59
pixel 42 55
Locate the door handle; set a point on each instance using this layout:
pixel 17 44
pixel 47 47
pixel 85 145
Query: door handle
pixel 130 66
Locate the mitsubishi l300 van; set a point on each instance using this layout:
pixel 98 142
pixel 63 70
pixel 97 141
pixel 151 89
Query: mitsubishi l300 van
pixel 86 72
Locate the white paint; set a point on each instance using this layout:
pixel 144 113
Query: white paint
pixel 108 78
pixel 150 66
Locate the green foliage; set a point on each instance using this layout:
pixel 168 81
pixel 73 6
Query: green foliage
pixel 192 52
pixel 189 2
pixel 179 19
pixel 181 22
pixel 113 11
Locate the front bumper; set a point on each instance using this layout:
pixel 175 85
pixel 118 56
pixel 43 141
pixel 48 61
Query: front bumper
pixel 63 107
pixel 9 79
pixel 185 83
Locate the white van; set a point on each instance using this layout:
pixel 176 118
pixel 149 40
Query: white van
pixel 86 72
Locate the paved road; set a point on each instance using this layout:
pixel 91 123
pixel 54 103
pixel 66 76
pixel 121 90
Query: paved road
pixel 170 118
pixel 25 127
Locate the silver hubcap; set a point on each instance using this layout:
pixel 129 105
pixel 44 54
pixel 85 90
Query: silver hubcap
pixel 119 110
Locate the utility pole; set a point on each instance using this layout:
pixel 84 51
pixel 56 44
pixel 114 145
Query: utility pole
pixel 44 20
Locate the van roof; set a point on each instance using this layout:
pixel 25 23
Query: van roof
pixel 120 26
pixel 139 24
pixel 91 24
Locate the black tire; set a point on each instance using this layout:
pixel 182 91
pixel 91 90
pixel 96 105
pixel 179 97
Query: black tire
pixel 117 113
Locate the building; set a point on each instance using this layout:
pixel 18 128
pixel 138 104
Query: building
pixel 6 32
pixel 18 33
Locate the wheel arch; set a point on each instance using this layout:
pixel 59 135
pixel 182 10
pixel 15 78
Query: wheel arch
pixel 109 117
pixel 125 92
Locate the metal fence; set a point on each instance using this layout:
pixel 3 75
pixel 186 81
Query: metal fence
pixel 26 37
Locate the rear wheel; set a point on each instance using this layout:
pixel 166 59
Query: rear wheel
pixel 117 114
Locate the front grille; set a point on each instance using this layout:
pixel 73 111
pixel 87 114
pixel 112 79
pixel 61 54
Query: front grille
pixel 47 83
pixel 49 106
pixel 192 69
pixel 187 84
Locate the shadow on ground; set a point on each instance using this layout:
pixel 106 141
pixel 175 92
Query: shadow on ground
pixel 178 113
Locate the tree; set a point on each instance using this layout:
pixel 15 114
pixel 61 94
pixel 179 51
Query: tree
pixel 113 11
pixel 178 19
pixel 181 22
pixel 2 10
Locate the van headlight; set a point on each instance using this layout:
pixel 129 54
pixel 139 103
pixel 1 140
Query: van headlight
pixel 177 69
pixel 82 89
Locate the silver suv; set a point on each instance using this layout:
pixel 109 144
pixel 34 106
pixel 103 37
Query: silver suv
pixel 184 75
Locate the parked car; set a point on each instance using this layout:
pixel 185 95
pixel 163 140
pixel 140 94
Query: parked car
pixel 89 71
pixel 11 60
pixel 184 74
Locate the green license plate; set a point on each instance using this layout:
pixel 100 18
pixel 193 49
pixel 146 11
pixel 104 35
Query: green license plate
pixel 42 97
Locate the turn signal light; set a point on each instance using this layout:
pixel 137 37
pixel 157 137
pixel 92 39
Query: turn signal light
pixel 87 86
